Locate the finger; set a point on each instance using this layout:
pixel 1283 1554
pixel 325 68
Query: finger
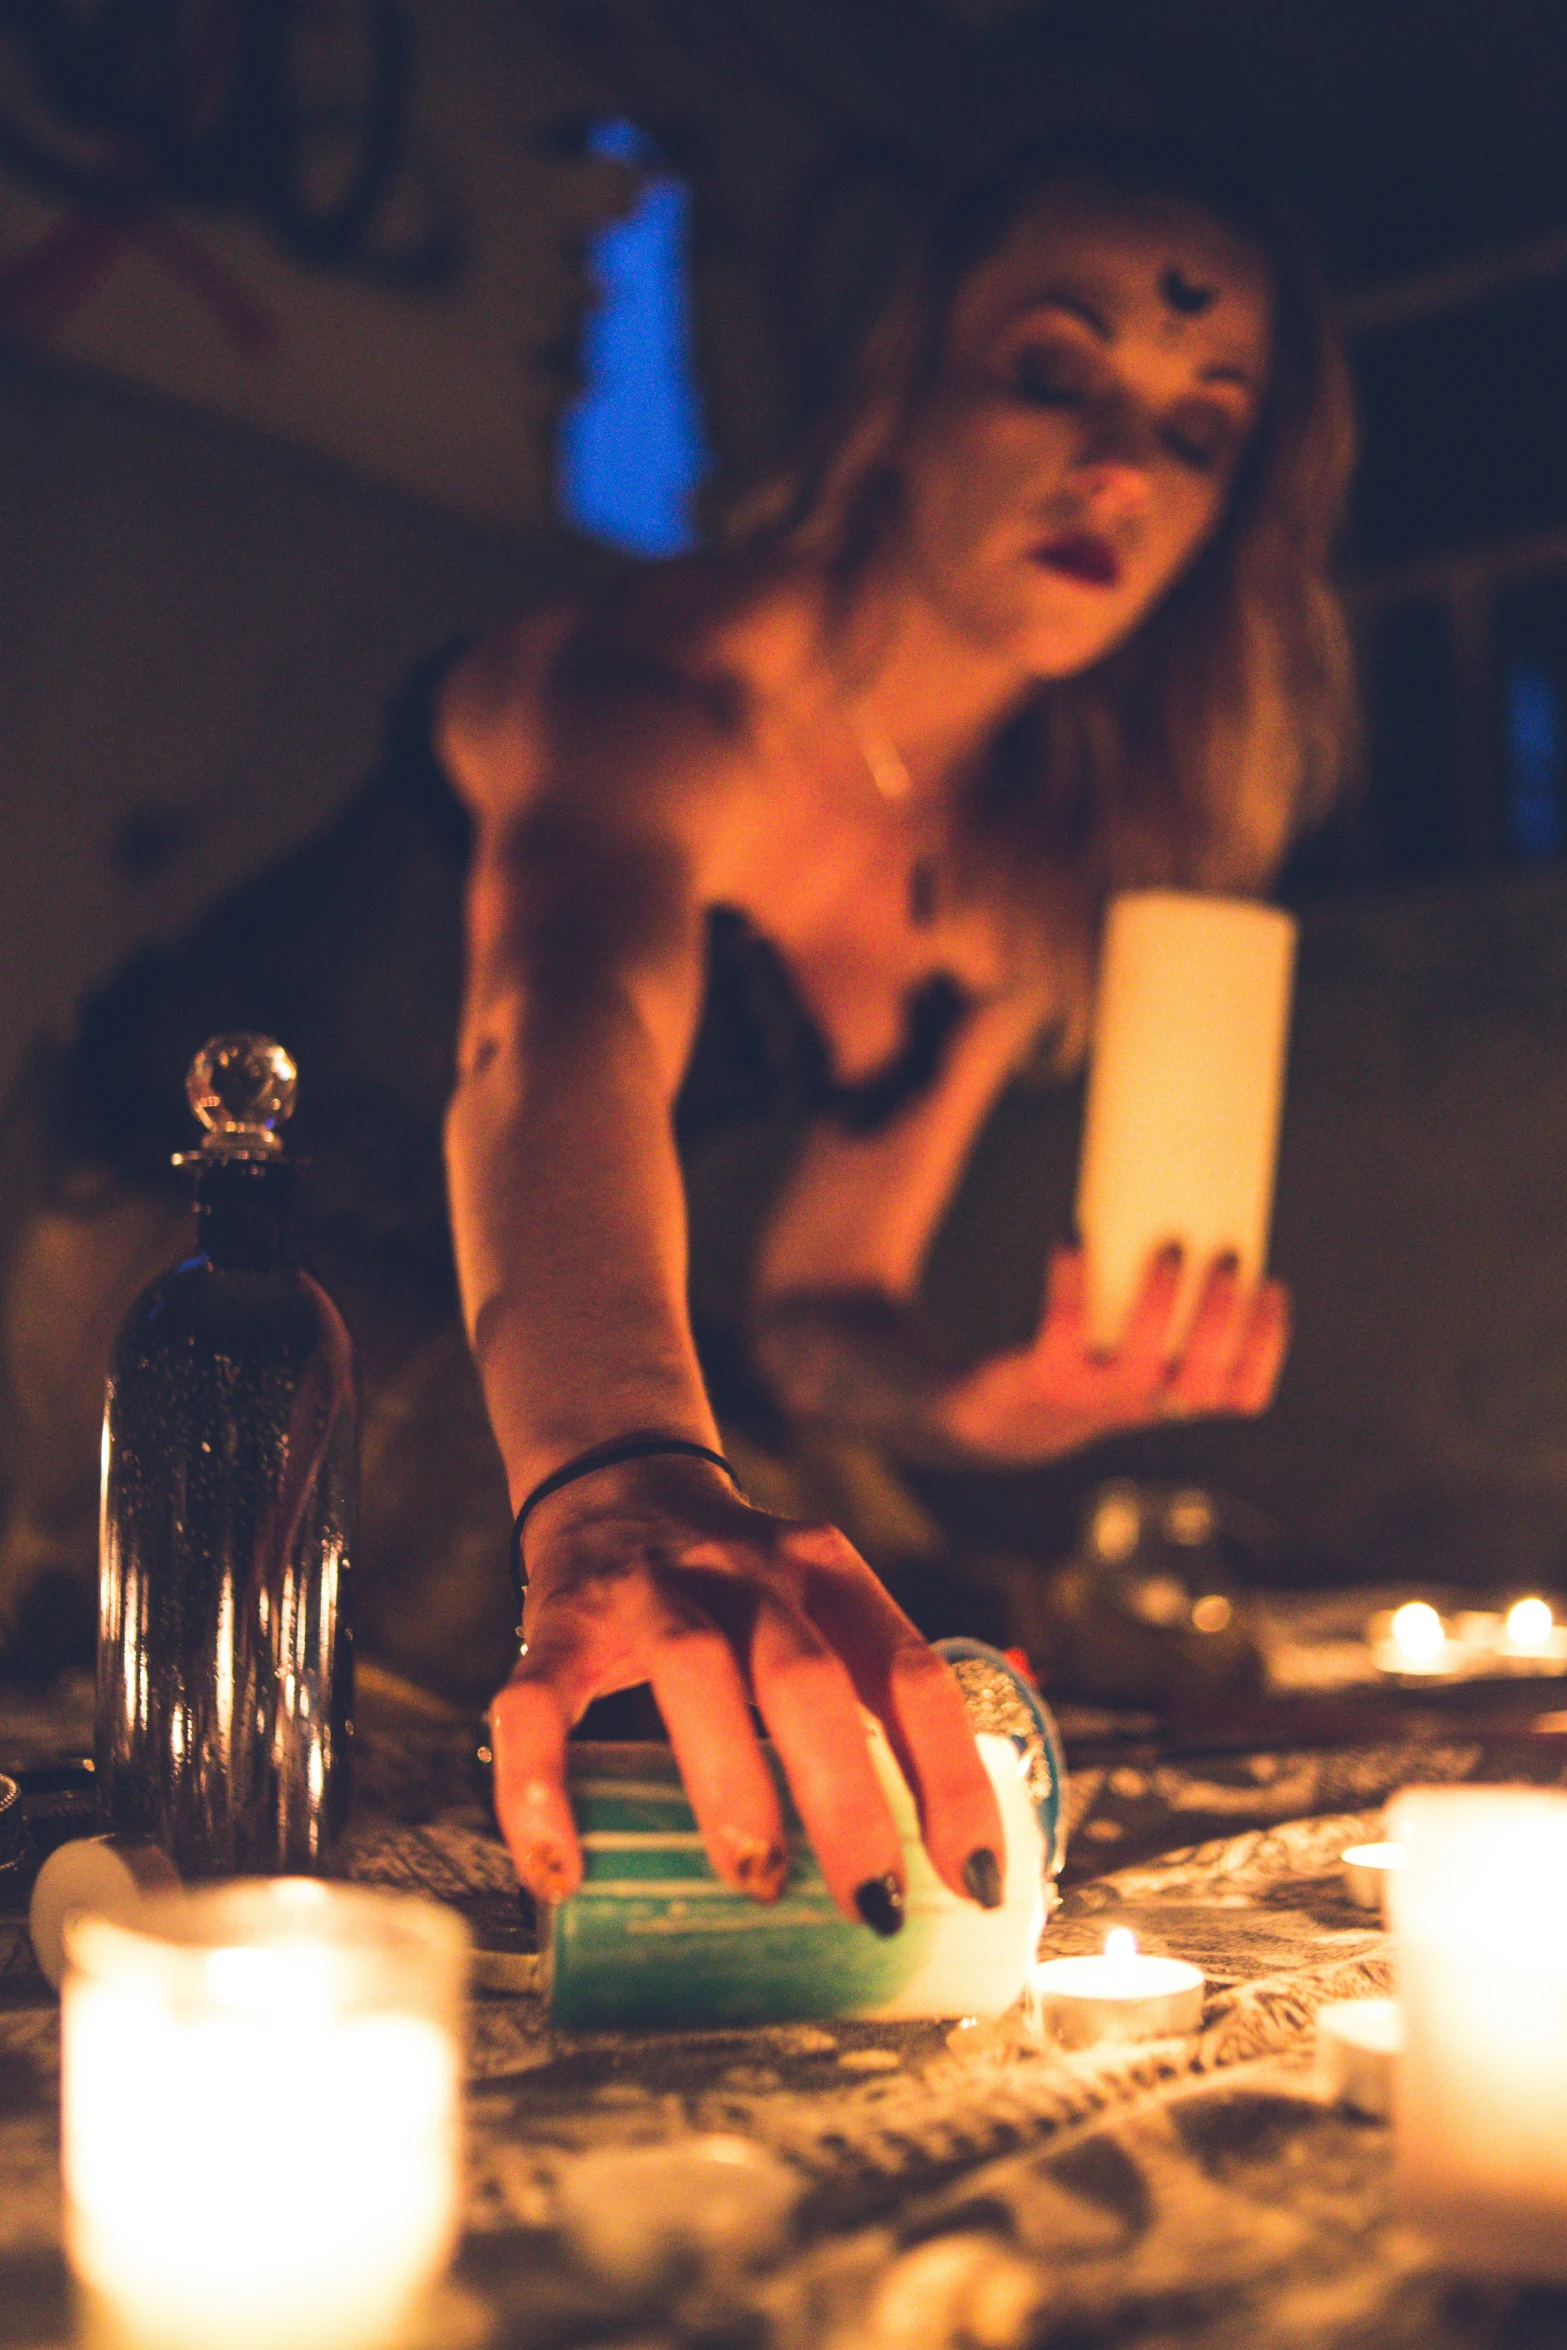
pixel 528 1725
pixel 1061 1343
pixel 1200 1381
pixel 808 1703
pixel 701 1695
pixel 915 1695
pixel 1145 1345
pixel 1261 1358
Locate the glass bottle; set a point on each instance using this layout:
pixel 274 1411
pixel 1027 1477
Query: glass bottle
pixel 230 1486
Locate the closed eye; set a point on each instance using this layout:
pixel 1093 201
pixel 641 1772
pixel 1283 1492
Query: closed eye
pixel 1047 379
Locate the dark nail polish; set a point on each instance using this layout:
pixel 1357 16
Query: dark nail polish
pixel 761 1869
pixel 1171 1255
pixel 545 1873
pixel 1227 1266
pixel 880 1903
pixel 982 1876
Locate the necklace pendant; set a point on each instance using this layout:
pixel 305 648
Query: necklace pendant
pixel 884 762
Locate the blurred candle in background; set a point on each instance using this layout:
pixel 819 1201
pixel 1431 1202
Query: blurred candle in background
pixel 260 2105
pixel 1479 1913
pixel 1185 1088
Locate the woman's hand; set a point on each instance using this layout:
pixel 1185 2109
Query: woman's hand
pixel 656 1571
pixel 1058 1393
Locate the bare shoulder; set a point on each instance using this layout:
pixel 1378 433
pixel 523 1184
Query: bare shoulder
pixel 637 703
pixel 488 719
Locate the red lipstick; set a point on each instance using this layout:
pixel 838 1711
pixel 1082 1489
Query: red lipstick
pixel 1084 557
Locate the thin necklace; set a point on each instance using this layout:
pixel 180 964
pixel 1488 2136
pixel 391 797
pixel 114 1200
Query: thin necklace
pixel 888 771
pixel 884 762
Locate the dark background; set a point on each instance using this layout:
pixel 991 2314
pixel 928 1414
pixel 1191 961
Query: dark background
pixel 203 625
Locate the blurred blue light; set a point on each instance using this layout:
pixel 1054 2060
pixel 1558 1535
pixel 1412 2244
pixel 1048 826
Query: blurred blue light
pixel 1534 756
pixel 632 449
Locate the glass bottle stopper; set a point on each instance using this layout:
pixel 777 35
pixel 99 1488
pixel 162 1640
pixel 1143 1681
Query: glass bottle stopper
pixel 241 1089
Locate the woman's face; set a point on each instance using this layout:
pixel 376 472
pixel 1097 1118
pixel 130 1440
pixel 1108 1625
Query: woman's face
pixel 1102 375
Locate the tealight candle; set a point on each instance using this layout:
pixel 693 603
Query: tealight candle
pixel 1531 1637
pixel 1530 1624
pixel 110 1875
pixel 1367 1868
pixel 1416 1640
pixel 1125 1994
pixel 1358 2042
pixel 1185 1087
pixel 1480 1948
pixel 260 2115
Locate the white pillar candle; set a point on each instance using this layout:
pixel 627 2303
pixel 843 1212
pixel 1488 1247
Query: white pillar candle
pixel 1122 1995
pixel 1480 1951
pixel 1358 2043
pixel 1185 1089
pixel 260 2105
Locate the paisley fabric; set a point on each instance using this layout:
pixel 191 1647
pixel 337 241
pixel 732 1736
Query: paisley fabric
pixel 959 2189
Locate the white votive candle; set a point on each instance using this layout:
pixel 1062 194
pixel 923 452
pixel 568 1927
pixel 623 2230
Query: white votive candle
pixel 1367 1868
pixel 260 2104
pixel 1123 1994
pixel 1358 2043
pixel 1185 1088
pixel 1480 1950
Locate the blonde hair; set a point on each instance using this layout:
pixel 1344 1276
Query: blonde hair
pixel 1196 751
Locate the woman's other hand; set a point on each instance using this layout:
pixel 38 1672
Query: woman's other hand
pixel 1059 1392
pixel 656 1571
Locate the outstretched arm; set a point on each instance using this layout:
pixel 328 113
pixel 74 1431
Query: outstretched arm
pixel 585 972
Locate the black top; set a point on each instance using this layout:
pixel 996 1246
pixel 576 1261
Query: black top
pixel 350 952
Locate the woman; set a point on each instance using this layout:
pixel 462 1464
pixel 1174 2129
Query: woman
pixel 1046 617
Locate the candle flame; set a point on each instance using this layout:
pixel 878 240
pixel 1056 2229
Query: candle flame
pixel 1418 1631
pixel 1530 1623
pixel 1120 1946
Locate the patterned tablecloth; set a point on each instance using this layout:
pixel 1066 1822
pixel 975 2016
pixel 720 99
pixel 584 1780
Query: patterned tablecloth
pixel 960 2190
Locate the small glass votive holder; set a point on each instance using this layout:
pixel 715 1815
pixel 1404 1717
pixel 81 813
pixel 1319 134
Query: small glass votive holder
pixel 261 2116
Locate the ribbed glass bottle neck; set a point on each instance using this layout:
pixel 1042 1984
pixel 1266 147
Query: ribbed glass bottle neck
pixel 246 1219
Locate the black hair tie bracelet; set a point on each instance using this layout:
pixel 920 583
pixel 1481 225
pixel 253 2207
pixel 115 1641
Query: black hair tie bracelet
pixel 603 1456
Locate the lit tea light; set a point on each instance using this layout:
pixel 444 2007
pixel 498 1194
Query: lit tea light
pixel 1414 1640
pixel 1122 1995
pixel 260 2115
pixel 1532 1641
pixel 1419 1635
pixel 1358 2044
pixel 1367 1868
pixel 1530 1624
pixel 1480 1953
